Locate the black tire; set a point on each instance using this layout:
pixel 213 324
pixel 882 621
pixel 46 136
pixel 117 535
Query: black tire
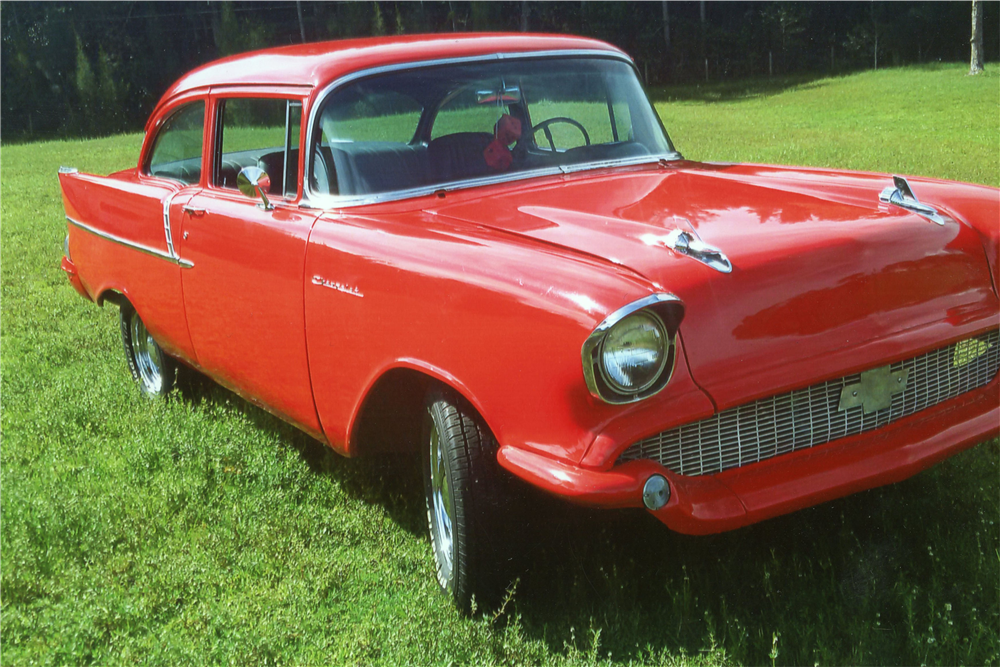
pixel 471 555
pixel 150 366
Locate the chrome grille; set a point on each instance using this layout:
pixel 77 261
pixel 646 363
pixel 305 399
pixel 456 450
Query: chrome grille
pixel 807 417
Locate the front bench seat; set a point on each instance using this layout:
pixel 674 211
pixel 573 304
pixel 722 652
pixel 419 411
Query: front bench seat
pixel 459 156
pixel 274 165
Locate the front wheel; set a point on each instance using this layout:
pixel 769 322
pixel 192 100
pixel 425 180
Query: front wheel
pixel 150 366
pixel 462 483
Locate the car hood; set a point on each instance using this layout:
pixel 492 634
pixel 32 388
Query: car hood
pixel 825 280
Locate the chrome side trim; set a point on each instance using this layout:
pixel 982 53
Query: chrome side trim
pixel 166 224
pixel 183 263
pixel 899 194
pixel 591 347
pixel 314 200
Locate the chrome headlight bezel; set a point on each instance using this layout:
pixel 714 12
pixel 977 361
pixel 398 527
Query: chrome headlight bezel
pixel 663 353
pixel 668 311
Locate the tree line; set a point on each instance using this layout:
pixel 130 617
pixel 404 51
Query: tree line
pixel 74 69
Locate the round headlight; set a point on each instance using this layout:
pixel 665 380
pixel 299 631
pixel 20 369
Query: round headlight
pixel 634 352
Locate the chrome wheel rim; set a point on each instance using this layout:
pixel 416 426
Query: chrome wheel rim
pixel 148 356
pixel 440 509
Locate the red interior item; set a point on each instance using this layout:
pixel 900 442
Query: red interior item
pixel 508 129
pixel 498 156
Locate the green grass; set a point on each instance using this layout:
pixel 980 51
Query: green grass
pixel 922 121
pixel 202 529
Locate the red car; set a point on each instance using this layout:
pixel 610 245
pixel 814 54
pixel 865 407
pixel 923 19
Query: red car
pixel 486 248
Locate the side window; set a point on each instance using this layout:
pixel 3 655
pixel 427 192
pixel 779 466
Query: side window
pixel 464 112
pixel 573 110
pixel 364 142
pixel 622 118
pixel 259 132
pixel 177 150
pixel 362 115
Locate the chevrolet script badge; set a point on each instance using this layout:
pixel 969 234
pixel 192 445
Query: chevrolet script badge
pixel 875 390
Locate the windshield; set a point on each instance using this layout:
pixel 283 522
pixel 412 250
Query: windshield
pixel 433 126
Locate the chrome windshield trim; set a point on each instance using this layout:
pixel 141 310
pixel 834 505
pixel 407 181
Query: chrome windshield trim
pixel 594 340
pixel 319 201
pixel 336 201
pixel 183 263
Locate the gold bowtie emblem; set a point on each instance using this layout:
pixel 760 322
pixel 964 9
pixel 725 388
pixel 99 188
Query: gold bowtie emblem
pixel 875 390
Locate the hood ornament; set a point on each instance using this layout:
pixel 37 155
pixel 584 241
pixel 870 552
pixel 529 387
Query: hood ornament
pixel 901 195
pixel 690 244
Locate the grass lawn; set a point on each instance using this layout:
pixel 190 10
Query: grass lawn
pixel 202 529
pixel 922 121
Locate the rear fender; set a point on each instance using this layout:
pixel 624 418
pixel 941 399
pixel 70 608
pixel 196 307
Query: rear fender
pixel 118 242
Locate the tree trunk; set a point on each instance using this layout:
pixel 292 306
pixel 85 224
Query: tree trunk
pixel 302 25
pixel 976 60
pixel 704 53
pixel 667 60
pixel 524 15
pixel 666 26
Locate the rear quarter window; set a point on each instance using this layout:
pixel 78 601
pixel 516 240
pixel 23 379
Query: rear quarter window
pixel 178 147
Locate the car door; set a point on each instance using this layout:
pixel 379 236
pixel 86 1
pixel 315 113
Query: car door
pixel 244 295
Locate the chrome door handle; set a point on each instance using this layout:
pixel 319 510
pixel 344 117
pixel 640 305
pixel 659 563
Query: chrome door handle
pixel 191 210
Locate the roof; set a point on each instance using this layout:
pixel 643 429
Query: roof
pixel 318 63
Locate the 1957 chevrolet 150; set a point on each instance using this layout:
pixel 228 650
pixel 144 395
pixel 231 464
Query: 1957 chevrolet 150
pixel 486 248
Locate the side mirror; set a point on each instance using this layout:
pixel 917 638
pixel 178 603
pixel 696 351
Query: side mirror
pixel 254 182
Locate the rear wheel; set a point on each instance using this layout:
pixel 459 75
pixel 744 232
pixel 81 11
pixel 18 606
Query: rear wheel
pixel 150 366
pixel 465 496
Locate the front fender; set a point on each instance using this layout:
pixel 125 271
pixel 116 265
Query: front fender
pixel 501 319
pixel 978 206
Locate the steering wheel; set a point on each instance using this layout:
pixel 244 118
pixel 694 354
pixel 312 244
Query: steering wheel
pixel 544 126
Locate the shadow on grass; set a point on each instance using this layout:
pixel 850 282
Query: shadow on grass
pixel 393 481
pixel 853 580
pixel 725 91
pixel 740 89
pixel 857 579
